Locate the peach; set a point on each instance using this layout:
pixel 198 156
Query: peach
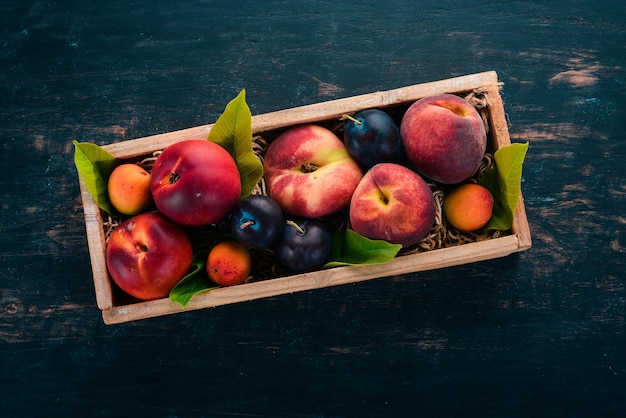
pixel 229 263
pixel 147 255
pixel 468 207
pixel 309 172
pixel 392 203
pixel 195 182
pixel 444 138
pixel 129 189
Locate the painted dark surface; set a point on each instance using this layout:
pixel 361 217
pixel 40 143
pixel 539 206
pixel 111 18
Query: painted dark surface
pixel 540 333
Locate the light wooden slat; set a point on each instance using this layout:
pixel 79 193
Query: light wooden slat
pixel 430 260
pixel 311 113
pixel 96 240
pixel 336 108
pixel 500 134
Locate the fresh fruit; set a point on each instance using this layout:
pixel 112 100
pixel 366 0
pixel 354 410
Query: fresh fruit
pixel 257 222
pixel 229 263
pixel 392 203
pixel 468 207
pixel 147 255
pixel 444 138
pixel 305 244
pixel 309 172
pixel 371 137
pixel 195 182
pixel 129 189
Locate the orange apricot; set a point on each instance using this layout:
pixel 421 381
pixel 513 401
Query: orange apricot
pixel 129 189
pixel 468 207
pixel 229 263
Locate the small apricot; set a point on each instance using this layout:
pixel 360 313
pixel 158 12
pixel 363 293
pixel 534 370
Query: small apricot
pixel 468 207
pixel 229 263
pixel 129 189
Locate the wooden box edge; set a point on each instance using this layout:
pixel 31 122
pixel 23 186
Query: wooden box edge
pixel 520 239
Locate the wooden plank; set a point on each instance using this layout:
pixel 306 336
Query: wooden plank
pixel 96 240
pixel 311 113
pixel 429 260
pixel 336 108
pixel 500 134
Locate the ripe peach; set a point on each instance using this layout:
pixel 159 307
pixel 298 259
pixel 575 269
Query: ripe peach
pixel 468 207
pixel 393 203
pixel 229 263
pixel 444 138
pixel 309 172
pixel 147 255
pixel 129 189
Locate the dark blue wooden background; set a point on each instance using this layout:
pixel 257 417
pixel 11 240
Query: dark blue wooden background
pixel 540 333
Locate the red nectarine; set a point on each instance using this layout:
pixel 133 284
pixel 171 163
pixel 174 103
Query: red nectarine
pixel 147 255
pixel 195 182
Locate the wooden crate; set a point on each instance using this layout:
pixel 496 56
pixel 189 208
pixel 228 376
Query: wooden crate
pixel 519 238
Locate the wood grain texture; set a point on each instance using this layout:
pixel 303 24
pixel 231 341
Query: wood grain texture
pixel 538 333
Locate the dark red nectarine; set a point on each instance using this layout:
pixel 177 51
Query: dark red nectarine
pixel 195 182
pixel 147 255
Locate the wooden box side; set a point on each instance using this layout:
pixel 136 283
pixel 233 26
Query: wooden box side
pixel 519 240
pixel 500 134
pixel 311 113
pixel 96 241
pixel 429 260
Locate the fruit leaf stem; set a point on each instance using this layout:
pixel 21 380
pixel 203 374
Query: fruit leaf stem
pixel 246 224
pixel 346 116
pixel 295 225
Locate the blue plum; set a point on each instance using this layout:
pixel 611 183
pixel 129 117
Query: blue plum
pixel 371 137
pixel 305 244
pixel 257 222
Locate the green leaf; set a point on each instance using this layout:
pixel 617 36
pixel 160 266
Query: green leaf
pixel 233 131
pixel 504 183
pixel 351 248
pixel 194 282
pixel 94 164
